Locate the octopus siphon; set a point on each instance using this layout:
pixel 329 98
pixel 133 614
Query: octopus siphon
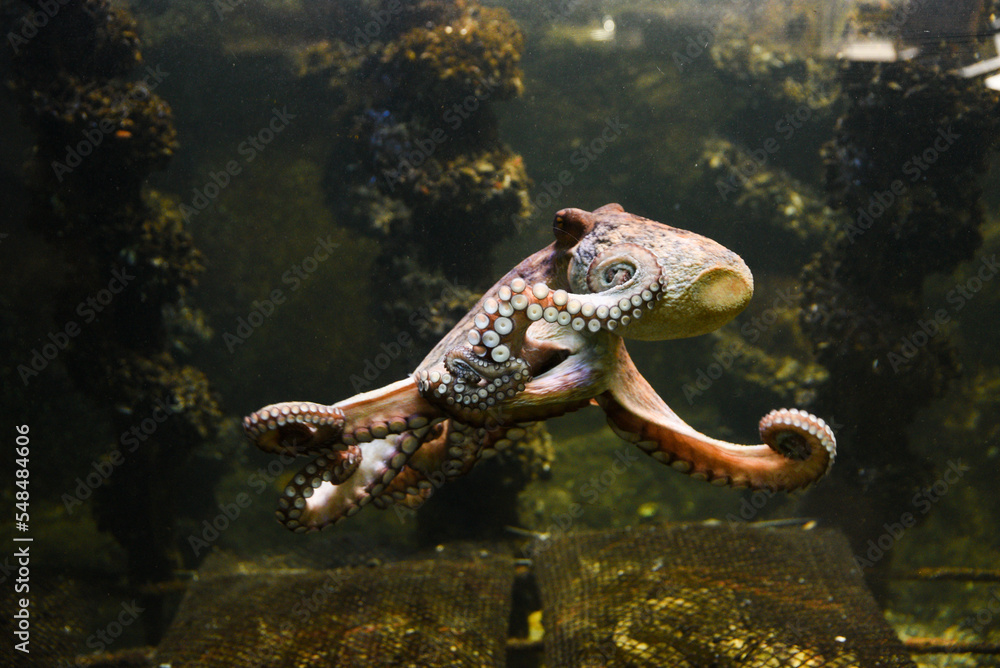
pixel 547 339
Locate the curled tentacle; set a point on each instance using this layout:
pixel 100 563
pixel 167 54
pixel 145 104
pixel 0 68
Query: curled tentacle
pixel 504 317
pixel 795 434
pixel 296 428
pixel 798 447
pixel 328 491
pixel 306 501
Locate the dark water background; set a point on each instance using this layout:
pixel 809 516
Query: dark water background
pixel 663 114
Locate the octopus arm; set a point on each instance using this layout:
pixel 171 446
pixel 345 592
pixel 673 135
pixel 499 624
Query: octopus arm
pixel 568 375
pixel 453 451
pixel 362 444
pixel 319 496
pixel 306 428
pixel 798 447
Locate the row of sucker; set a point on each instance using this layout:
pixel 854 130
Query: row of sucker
pixel 474 383
pixel 326 492
pixel 410 488
pixel 488 369
pixel 333 470
pixel 464 446
pixel 468 444
pixel 794 433
pixel 413 486
pixel 379 429
pixel 289 428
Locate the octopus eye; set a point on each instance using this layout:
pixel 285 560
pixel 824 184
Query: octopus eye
pixel 571 225
pixel 618 274
pixel 619 266
pixel 611 275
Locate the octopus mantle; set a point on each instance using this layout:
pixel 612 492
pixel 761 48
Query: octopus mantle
pixel 548 338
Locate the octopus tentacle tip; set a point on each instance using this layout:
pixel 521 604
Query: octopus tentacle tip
pixel 295 428
pixel 794 433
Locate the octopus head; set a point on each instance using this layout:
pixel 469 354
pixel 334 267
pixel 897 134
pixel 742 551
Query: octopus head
pixel 690 284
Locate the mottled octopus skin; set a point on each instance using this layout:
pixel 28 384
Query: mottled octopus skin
pixel 548 338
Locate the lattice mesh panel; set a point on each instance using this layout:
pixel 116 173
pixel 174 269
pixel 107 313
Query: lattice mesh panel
pixel 411 613
pixel 696 596
pixel 58 616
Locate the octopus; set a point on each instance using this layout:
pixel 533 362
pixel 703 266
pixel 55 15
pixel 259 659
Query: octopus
pixel 547 339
